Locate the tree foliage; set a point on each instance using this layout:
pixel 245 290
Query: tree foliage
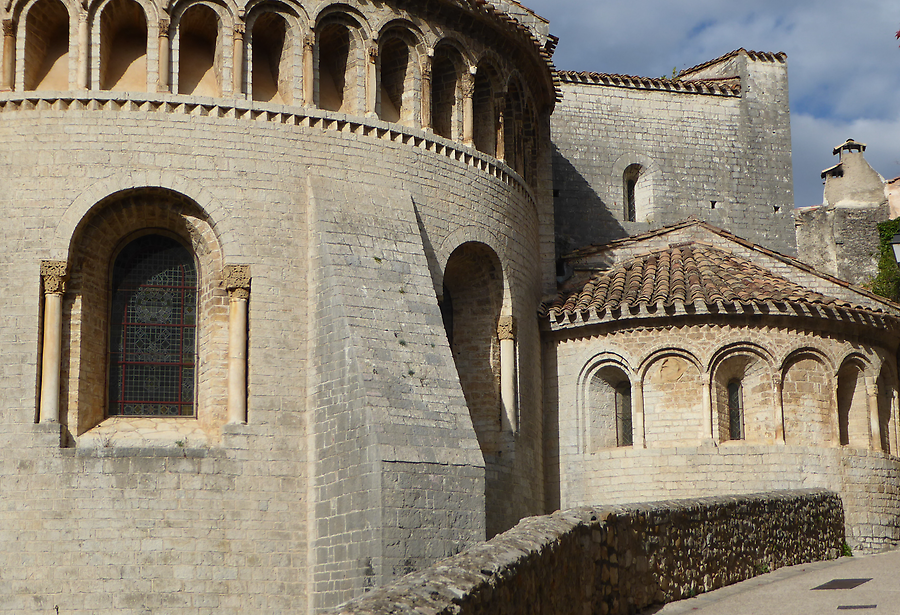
pixel 887 283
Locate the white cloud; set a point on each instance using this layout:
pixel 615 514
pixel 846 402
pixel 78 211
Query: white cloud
pixel 844 64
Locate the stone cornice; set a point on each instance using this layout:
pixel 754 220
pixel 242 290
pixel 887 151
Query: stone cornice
pixel 328 121
pixel 725 87
pixel 623 313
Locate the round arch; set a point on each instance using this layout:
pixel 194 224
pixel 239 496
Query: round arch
pixel 460 48
pixel 184 57
pixel 741 378
pixel 21 12
pixel 741 347
pixel 87 322
pixel 467 234
pixel 81 208
pixel 603 403
pixel 663 351
pixel 345 14
pixel 808 398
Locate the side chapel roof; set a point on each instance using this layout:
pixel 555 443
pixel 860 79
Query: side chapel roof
pixel 685 273
pixel 698 277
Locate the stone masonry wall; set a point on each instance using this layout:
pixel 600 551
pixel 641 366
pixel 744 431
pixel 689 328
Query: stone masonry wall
pixel 803 364
pixel 619 559
pixel 722 158
pixel 841 241
pixel 226 522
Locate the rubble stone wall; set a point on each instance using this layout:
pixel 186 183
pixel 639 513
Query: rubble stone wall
pixel 617 559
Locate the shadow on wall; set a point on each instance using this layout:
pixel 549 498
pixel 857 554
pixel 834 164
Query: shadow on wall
pixel 582 218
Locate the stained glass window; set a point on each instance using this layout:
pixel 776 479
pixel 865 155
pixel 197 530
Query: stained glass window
pixel 735 410
pixel 153 323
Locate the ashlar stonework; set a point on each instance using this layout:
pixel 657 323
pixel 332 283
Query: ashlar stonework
pixel 353 330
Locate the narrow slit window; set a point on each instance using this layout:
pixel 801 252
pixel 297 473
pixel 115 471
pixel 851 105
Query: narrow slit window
pixel 735 410
pixel 635 187
pixel 153 324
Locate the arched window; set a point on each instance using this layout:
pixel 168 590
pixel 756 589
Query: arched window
pixel 338 68
pixel 397 82
pixel 445 76
pixel 853 411
pixel 735 410
pixel 199 56
pixel 485 115
pixel 272 60
pixel 152 329
pixel 47 46
pixel 608 420
pixel 123 47
pixel 631 177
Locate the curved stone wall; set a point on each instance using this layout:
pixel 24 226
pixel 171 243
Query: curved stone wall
pixel 815 406
pixel 461 71
pixel 187 515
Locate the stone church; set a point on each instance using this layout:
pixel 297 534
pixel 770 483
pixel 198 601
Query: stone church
pixel 302 295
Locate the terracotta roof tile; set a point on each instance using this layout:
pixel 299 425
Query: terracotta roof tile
pixel 685 273
pixel 759 56
pixel 729 86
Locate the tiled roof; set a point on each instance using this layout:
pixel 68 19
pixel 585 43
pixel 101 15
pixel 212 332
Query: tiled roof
pixel 759 56
pixel 685 274
pixel 693 221
pixel 721 87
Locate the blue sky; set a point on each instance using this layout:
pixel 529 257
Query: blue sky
pixel 843 61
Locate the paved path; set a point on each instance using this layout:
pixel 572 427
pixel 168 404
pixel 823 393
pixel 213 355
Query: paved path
pixel 789 591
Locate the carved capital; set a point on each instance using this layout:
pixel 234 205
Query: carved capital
pixel 506 328
pixel 467 85
pixel 54 275
pixel 309 41
pixel 426 69
pixel 239 29
pixel 237 281
pixel 239 293
pixel 164 25
pixel 9 27
pixel 373 52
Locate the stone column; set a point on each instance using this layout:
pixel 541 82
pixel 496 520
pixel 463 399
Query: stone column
pixel 238 67
pixel 467 86
pixel 506 331
pixel 710 428
pixel 371 77
pixel 237 282
pixel 639 436
pixel 164 55
pixel 500 110
pixel 83 76
pixel 833 419
pixel 426 93
pixel 874 423
pixel 53 276
pixel 778 409
pixel 8 74
pixel 895 407
pixel 309 43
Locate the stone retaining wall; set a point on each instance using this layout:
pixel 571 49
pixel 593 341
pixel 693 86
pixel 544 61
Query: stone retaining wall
pixel 619 559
